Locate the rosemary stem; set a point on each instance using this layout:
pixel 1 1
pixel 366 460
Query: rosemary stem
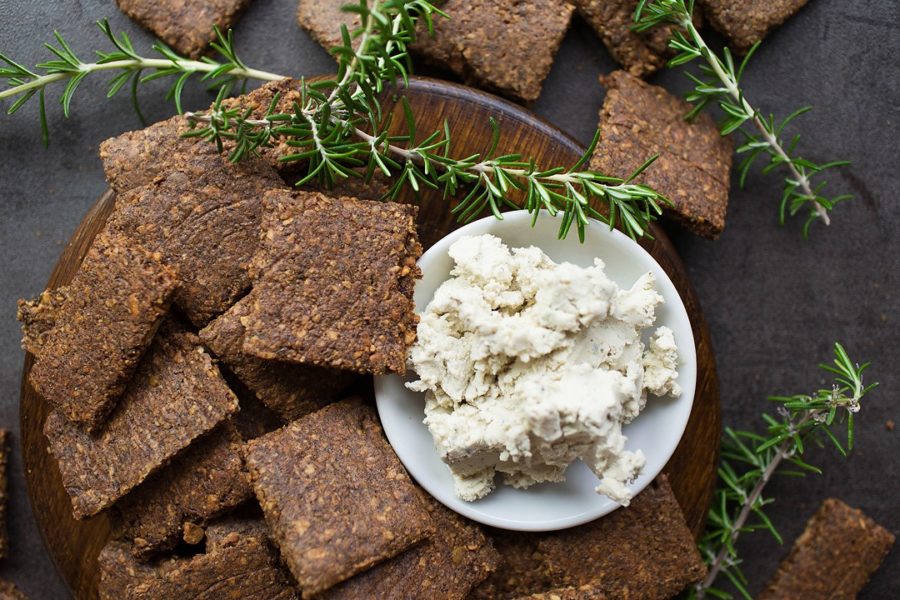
pixel 195 66
pixel 771 139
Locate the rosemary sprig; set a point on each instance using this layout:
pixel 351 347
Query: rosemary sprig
pixel 750 460
pixel 129 67
pixel 338 127
pixel 721 85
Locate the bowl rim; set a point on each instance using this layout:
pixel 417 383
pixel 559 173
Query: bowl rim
pixel 687 366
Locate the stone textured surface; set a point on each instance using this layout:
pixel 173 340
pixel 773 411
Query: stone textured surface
pixel 774 302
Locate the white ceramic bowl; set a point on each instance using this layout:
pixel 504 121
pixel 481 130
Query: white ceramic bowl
pixel 656 431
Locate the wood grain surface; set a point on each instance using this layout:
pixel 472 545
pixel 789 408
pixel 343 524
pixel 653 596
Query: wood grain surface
pixel 74 545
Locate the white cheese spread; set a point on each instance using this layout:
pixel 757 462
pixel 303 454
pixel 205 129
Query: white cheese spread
pixel 528 365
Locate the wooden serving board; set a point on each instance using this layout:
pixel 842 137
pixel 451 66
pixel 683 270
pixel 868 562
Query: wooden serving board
pixel 74 545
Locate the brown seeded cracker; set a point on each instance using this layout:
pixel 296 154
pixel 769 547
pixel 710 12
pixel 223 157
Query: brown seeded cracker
pixel 202 482
pixel 335 496
pixel 120 290
pixel 9 591
pixel 507 46
pixel 641 54
pixel 833 558
pixel 185 25
pixel 176 395
pixel 199 211
pixel 38 316
pixel 521 570
pixel 643 551
pixel 4 497
pixel 333 283
pixel 323 20
pixel 745 22
pixel 639 120
pixel 457 558
pixel 290 390
pixel 244 568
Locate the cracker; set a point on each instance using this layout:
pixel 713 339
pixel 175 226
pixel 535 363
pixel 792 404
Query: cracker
pixel 176 396
pixel 353 311
pixel 335 496
pixel 507 46
pixel 521 570
pixel 202 482
pixel 639 120
pixel 584 592
pixel 115 303
pixel 291 390
pixel 199 211
pixel 4 498
pixel 644 550
pixel 38 316
pixel 641 54
pixel 244 568
pixel 456 559
pixel 745 22
pixel 834 557
pixel 323 20
pixel 9 591
pixel 185 25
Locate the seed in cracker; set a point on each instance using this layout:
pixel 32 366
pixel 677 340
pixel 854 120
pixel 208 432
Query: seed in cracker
pixel 176 396
pixel 504 45
pixel 186 26
pixel 245 568
pixel 639 120
pixel 291 390
pixel 335 495
pixel 746 22
pixel 204 481
pixel 644 550
pixel 114 304
pixel 333 283
pixel 456 559
pixel 834 557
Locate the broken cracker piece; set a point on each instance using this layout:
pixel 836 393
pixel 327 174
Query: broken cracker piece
pixel 335 496
pixel 746 22
pixel 176 396
pixel 204 481
pixel 353 311
pixel 185 25
pixel 323 20
pixel 833 558
pixel 113 306
pixel 289 389
pixel 639 120
pixel 456 559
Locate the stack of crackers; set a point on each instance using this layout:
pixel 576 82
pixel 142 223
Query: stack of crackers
pixel 206 369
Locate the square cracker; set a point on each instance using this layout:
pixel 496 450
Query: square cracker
pixel 507 46
pixel 176 395
pixel 289 389
pixel 456 559
pixel 644 550
pixel 185 25
pixel 204 481
pixel 201 212
pixel 745 22
pixel 640 53
pixel 333 283
pixel 639 120
pixel 335 495
pixel 238 564
pixel 834 557
pixel 113 306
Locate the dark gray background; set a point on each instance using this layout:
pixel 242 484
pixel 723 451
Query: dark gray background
pixel 775 303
